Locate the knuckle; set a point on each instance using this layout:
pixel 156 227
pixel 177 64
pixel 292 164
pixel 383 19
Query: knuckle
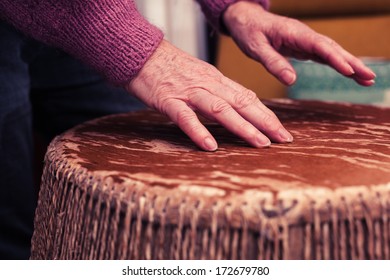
pixel 320 48
pixel 184 117
pixel 252 47
pixel 188 122
pixel 328 40
pixel 247 127
pixel 209 70
pixel 244 99
pixel 272 62
pixel 270 122
pixel 219 106
pixel 247 131
pixel 323 40
pixel 293 21
pixel 162 105
pixel 332 42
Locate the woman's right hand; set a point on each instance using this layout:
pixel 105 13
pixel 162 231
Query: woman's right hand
pixel 179 86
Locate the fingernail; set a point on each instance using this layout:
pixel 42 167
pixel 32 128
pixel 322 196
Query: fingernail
pixel 288 76
pixel 210 144
pixel 285 135
pixel 350 69
pixel 262 141
pixel 372 73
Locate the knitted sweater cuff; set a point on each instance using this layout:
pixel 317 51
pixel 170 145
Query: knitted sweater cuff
pixel 109 35
pixel 213 10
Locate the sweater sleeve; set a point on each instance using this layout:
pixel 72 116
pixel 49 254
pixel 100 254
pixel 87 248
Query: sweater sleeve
pixel 109 35
pixel 213 10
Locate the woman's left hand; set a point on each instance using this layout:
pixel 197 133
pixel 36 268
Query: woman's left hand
pixel 268 38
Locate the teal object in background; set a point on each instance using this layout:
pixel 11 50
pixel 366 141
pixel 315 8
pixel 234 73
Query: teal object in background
pixel 320 82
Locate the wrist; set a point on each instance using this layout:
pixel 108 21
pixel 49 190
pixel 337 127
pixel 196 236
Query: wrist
pixel 236 13
pixel 153 74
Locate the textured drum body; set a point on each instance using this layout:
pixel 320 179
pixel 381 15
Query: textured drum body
pixel 133 186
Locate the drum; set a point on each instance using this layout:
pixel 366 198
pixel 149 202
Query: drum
pixel 133 186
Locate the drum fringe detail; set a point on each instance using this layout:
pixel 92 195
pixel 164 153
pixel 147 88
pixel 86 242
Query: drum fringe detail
pixel 82 217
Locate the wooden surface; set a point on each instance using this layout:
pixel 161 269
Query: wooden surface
pixel 329 8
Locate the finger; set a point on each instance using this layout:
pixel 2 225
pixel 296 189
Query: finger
pixel 248 105
pixel 186 119
pixel 363 82
pixel 329 52
pixel 361 70
pixel 275 63
pixel 260 49
pixel 363 75
pixel 215 107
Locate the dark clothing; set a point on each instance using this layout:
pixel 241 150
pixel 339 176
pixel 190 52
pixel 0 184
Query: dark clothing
pixel 43 92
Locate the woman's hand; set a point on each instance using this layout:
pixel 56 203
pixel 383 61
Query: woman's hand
pixel 267 38
pixel 179 86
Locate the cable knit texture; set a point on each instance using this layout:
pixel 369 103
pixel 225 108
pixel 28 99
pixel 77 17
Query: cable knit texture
pixel 109 35
pixel 213 10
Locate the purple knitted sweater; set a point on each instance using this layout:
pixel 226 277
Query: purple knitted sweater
pixel 109 35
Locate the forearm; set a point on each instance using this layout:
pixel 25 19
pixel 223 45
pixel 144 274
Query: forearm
pixel 213 9
pixel 109 35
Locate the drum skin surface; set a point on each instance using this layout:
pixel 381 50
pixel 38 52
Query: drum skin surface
pixel 133 186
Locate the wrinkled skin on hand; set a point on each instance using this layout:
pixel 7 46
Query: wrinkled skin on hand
pixel 178 85
pixel 181 86
pixel 268 38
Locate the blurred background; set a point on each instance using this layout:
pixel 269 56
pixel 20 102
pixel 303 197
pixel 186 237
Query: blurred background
pixel 181 21
pixel 360 26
